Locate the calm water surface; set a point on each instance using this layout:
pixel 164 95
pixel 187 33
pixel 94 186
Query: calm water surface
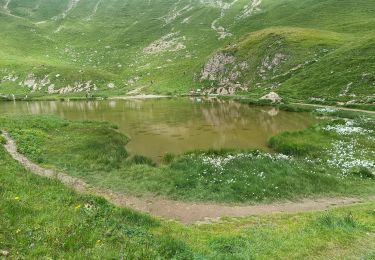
pixel 157 127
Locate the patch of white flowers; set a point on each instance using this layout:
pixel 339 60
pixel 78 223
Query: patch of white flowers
pixel 347 129
pixel 345 156
pixel 326 110
pixel 220 162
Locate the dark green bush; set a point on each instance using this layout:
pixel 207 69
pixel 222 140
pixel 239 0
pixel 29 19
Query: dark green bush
pixel 362 172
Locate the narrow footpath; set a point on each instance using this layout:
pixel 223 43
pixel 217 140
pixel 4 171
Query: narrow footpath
pixel 185 212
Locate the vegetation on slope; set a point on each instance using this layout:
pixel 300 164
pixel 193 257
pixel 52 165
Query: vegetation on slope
pixel 42 218
pixel 157 47
pixel 334 158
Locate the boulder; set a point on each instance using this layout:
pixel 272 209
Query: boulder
pixel 111 85
pixel 232 91
pixel 222 91
pixel 273 97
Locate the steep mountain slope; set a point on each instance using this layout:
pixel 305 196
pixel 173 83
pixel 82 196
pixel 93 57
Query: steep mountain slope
pixel 70 47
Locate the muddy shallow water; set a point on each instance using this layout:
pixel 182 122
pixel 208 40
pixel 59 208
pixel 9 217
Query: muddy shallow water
pixel 161 126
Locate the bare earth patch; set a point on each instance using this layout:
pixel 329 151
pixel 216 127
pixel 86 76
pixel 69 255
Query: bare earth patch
pixel 185 212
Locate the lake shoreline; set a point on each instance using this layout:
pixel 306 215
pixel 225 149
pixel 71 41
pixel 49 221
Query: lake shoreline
pixel 255 102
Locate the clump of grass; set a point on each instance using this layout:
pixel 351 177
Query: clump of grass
pixel 370 107
pixel 140 159
pixel 362 172
pixel 173 248
pixel 113 126
pixel 229 245
pixel 168 158
pixel 301 143
pixel 346 222
pixel 294 108
pixel 2 140
pixel 255 102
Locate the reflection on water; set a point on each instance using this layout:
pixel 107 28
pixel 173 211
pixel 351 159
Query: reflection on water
pixel 164 126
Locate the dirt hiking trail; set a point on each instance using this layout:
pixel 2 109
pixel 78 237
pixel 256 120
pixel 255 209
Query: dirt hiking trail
pixel 185 212
pixel 336 107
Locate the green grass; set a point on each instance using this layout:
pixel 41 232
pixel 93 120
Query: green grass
pixel 307 142
pixel 107 46
pixel 332 39
pixel 319 162
pixel 102 150
pixel 361 106
pixel 40 218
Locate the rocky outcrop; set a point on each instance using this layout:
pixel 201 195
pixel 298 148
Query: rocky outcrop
pixel 224 72
pixel 271 63
pixel 44 83
pixel 273 97
pixel 220 30
pixel 9 78
pixel 168 43
pixel 77 87
pixel 35 84
pixel 216 67
pixel 251 8
pixel 174 14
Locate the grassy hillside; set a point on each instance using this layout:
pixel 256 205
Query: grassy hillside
pixel 112 47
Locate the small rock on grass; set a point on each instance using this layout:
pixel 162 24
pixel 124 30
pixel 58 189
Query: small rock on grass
pixel 273 97
pixel 4 253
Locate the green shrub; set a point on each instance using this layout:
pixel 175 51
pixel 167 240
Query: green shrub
pixel 362 172
pixel 293 108
pixel 257 102
pixel 361 106
pixel 113 126
pixel 2 140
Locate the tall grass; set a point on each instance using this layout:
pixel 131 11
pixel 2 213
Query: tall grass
pixel 301 167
